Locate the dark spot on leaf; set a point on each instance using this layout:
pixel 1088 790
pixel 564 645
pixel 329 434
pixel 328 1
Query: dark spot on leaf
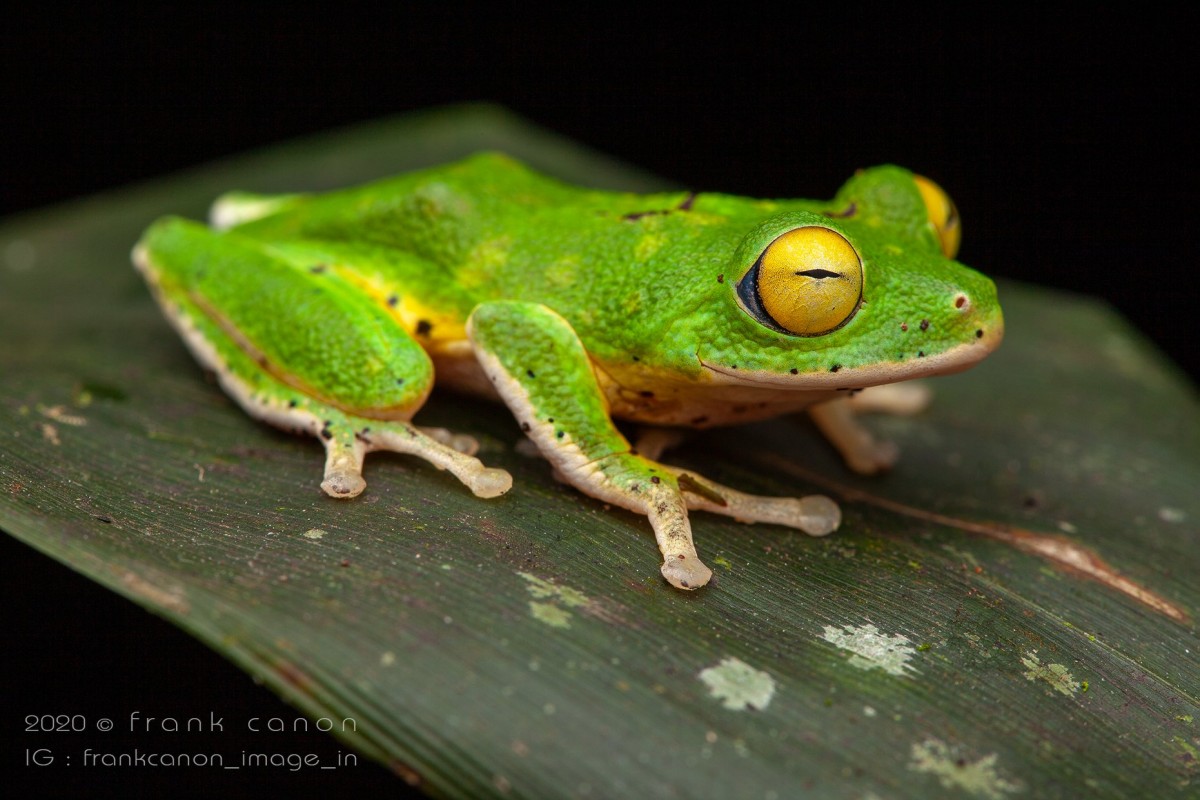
pixel 107 520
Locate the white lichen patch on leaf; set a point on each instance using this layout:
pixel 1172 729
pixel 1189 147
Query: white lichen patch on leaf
pixel 313 533
pixel 738 685
pixel 953 771
pixel 552 601
pixel 873 649
pixel 1056 675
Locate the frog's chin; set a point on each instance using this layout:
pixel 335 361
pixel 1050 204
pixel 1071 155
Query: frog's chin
pixel 956 359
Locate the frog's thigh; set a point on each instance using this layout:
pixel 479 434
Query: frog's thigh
pixel 861 451
pixel 541 370
pixel 289 348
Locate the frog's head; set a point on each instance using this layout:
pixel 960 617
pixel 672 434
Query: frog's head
pixel 864 292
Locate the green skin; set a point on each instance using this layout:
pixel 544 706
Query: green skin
pixel 331 314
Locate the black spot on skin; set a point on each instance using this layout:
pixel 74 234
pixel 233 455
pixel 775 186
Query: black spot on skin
pixel 635 358
pixel 392 300
pixel 325 434
pixel 317 270
pixel 795 371
pixel 525 427
pixel 721 278
pixel 655 479
pixel 920 354
pixel 529 372
pixel 1031 502
pixel 835 367
pixel 924 324
pixel 635 487
pixel 559 434
pixel 904 327
pixel 960 301
pixel 979 333
pixel 399 381
pixel 361 436
pixel 733 366
pixel 645 393
pixel 291 403
pixel 424 326
pixel 550 420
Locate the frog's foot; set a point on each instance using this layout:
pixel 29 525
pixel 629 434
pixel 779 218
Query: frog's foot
pixel 862 452
pixel 815 514
pixel 345 450
pixel 902 399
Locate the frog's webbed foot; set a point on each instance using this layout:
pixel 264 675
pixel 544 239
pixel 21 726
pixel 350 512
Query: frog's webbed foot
pixel 346 449
pixel 861 451
pixel 815 514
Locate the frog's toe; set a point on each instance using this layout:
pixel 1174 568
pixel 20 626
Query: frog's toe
pixel 343 485
pixel 343 468
pixel 461 442
pixel 489 482
pixel 685 571
pixel 819 516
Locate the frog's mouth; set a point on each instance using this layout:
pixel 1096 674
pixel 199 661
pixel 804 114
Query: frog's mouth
pixel 956 359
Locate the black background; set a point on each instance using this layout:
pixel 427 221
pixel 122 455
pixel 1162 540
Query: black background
pixel 1061 137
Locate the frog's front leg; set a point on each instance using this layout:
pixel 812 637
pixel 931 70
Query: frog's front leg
pixel 542 371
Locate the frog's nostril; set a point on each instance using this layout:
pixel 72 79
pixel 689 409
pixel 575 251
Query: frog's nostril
pixel 962 302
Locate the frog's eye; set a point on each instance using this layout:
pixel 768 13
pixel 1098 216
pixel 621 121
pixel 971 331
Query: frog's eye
pixel 807 282
pixel 942 214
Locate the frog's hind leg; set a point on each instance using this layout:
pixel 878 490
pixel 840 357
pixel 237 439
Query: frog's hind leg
pixel 302 349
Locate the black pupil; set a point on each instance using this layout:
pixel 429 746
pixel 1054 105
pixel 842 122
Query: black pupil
pixel 820 273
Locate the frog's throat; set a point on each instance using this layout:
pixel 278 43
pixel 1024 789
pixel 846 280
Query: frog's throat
pixel 956 359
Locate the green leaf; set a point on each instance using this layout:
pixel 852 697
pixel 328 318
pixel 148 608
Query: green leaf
pixel 1010 613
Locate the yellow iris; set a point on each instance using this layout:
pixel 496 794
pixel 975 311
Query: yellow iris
pixel 810 281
